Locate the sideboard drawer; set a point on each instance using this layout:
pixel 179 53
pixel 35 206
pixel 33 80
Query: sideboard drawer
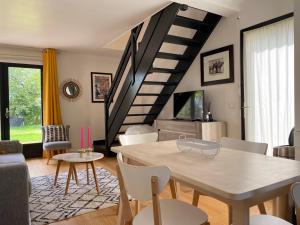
pixel 168 135
pixel 177 126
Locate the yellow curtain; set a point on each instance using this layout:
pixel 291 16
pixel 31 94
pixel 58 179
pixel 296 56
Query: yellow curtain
pixel 51 104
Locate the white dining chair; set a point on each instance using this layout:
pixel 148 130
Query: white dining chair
pixel 267 219
pixel 246 146
pixel 241 145
pixel 134 139
pixel 146 183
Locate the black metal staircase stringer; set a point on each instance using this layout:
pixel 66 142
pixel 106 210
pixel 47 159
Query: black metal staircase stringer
pixel 190 52
pixel 110 119
pixel 145 57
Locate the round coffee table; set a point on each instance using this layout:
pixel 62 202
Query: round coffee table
pixel 72 159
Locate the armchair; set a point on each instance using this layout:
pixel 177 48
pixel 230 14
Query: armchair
pixel 286 151
pixel 59 143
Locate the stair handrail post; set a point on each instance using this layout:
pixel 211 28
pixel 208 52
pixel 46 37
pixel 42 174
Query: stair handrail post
pixel 133 39
pixel 123 63
pixel 106 114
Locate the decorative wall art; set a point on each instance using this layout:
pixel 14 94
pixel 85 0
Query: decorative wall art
pixel 217 66
pixel 101 83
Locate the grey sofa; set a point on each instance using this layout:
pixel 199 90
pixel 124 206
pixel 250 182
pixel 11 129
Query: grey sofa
pixel 15 185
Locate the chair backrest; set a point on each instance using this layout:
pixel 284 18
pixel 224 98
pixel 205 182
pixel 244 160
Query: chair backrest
pixel 247 146
pixel 137 179
pixel 295 193
pixel 10 147
pixel 134 139
pixel 139 129
pixel 67 129
pixel 291 137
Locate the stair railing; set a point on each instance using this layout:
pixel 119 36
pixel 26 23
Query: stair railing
pixel 129 52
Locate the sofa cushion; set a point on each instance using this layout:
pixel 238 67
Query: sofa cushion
pixel 7 159
pixel 57 145
pixel 14 196
pixel 11 158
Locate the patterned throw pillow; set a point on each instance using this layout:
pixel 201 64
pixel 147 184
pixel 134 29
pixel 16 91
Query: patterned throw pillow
pixel 55 133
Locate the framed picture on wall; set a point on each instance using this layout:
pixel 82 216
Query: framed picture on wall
pixel 217 66
pixel 100 85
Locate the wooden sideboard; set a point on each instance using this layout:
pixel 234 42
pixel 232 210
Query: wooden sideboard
pixel 172 129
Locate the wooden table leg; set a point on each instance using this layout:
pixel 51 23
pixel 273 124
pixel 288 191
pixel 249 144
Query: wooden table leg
pixel 196 196
pixel 229 214
pixel 57 171
pixel 175 189
pixel 95 176
pixel 87 174
pixel 240 214
pixel 69 177
pixel 75 173
pixel 281 208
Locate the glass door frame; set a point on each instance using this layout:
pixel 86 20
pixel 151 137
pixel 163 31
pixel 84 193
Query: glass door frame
pixel 243 106
pixel 29 149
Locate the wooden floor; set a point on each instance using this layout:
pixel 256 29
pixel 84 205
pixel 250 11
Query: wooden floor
pixel 217 211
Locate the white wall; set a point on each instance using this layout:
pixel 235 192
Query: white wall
pixel 297 77
pixel 83 113
pixel 225 99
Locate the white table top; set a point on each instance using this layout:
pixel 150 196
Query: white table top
pixel 79 158
pixel 232 174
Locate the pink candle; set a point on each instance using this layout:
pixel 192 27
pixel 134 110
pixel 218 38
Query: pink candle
pixel 89 137
pixel 81 138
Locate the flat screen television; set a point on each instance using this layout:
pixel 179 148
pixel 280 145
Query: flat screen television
pixel 189 105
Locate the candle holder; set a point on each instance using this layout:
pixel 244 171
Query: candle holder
pixel 89 150
pixel 82 151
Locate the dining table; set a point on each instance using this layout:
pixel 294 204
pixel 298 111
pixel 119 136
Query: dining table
pixel 238 178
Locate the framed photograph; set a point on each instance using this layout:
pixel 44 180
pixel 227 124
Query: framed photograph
pixel 217 66
pixel 100 85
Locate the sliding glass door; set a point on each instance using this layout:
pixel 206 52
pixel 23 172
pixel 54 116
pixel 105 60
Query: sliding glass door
pixel 21 103
pixel 268 65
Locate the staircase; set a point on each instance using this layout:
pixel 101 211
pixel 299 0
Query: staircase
pixel 141 57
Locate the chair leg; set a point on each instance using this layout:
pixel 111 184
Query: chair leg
pixel 48 156
pixel 196 196
pixel 262 208
pixel 229 215
pixel 136 207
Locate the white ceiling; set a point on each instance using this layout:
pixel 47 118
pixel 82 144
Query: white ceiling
pixel 84 26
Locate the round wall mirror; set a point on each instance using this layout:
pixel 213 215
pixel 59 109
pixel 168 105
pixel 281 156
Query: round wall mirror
pixel 70 89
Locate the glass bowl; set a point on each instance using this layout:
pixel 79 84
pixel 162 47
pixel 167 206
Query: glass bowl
pixel 207 149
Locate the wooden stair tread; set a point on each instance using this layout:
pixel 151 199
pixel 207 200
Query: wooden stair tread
pixel 136 123
pixel 164 70
pixel 142 105
pixel 165 55
pixel 182 41
pixel 142 114
pixel 192 23
pixel 152 94
pixel 160 83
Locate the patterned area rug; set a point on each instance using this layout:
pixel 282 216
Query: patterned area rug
pixel 48 204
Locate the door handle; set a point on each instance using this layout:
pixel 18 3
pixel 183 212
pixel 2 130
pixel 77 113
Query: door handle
pixel 245 107
pixel 7 113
